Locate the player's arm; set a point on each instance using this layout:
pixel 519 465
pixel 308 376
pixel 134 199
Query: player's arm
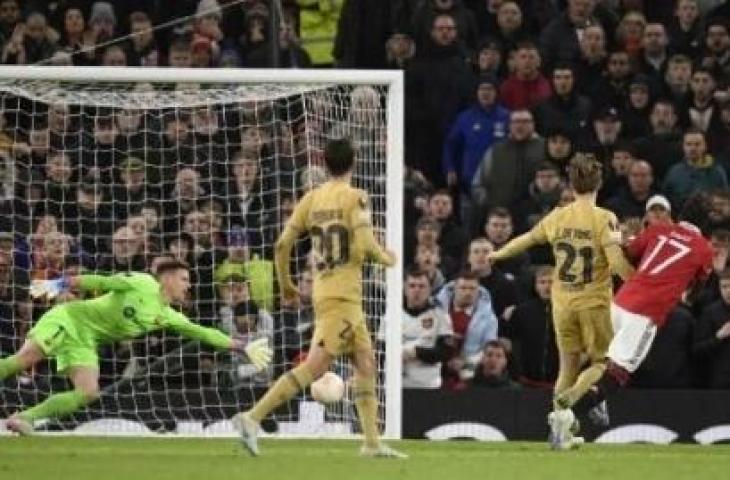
pixel 257 351
pixel 362 229
pixel 611 242
pixel 49 289
pixel 536 236
pixel 282 250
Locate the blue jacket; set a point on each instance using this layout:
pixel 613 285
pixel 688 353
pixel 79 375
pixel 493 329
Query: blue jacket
pixel 473 133
pixel 683 180
pixel 483 325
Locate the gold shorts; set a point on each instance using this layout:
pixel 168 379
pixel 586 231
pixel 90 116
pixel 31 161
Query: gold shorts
pixel 340 328
pixel 587 330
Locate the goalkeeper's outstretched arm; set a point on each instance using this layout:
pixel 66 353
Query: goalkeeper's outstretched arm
pixel 258 351
pixel 49 289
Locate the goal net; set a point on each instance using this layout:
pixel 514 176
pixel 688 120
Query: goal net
pixel 114 170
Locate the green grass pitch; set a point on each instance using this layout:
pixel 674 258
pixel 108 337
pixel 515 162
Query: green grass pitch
pixel 51 458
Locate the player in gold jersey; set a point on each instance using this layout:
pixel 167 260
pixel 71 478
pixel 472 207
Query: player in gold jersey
pixel 337 219
pixel 586 243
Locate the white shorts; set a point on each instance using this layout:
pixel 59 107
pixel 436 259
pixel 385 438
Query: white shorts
pixel 632 339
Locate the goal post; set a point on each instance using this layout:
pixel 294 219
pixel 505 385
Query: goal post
pixel 285 116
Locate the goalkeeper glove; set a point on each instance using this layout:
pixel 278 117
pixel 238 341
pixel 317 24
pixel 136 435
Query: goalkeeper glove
pixel 48 289
pixel 258 352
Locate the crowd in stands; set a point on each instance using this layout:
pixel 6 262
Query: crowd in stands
pixel 499 96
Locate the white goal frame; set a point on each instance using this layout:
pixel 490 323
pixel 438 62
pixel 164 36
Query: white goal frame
pixel 391 79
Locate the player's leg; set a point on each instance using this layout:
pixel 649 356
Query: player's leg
pixel 570 347
pixel 292 382
pixel 597 332
pixel 626 352
pixel 28 355
pixel 363 388
pixel 325 346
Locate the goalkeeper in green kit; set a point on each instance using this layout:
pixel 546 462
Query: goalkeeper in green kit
pixel 133 304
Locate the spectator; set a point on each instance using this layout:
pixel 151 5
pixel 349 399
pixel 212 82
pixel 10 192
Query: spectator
pixel 677 82
pixel 114 56
pixel 511 29
pixel 438 67
pixel 427 334
pixel 558 148
pixel 699 171
pixel 102 22
pixel 30 44
pixel 488 58
pixel 654 54
pixel 685 29
pixel 50 261
pixel 144 51
pixel 605 132
pixel 90 218
pixel 616 176
pixel 182 200
pixel 630 33
pixel 428 261
pixel 474 323
pixel 613 89
pixel 712 337
pixel 475 131
pixel 127 253
pixel 566 108
pixel 297 320
pixel 424 17
pixel 543 195
pixel 133 190
pixel 499 229
pixel 10 17
pixel 202 52
pixel 662 148
pixel 15 309
pixel 501 289
pixel 704 113
pixel 318 25
pixel 74 40
pixel 716 56
pixel 559 40
pixel 533 336
pixel 635 116
pixel 526 87
pixel 249 322
pixel 590 66
pixel 710 293
pixel 400 49
pixel 248 205
pixel 631 201
pixel 453 237
pixel 493 369
pixel 291 55
pixel 719 215
pixel 508 167
pixel 59 176
pixel 179 55
pixel 362 33
pixel 180 246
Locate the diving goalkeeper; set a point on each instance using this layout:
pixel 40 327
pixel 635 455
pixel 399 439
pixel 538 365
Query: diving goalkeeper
pixel 133 304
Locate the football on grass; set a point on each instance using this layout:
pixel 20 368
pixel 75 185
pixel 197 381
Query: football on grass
pixel 328 388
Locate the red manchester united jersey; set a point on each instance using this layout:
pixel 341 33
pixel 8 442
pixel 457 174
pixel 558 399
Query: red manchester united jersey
pixel 671 257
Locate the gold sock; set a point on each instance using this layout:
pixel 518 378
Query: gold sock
pixel 286 386
pixel 367 409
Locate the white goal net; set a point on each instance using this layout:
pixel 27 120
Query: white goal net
pixel 107 170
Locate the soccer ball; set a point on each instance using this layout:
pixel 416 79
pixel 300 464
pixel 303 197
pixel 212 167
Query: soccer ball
pixel 329 388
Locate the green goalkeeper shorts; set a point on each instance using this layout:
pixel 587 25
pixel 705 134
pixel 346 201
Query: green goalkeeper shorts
pixel 54 333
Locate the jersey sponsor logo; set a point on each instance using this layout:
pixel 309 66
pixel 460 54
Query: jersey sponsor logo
pixel 129 312
pixel 427 323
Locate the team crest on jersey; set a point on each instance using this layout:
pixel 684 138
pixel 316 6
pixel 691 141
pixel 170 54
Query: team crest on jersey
pixel 427 323
pixel 129 312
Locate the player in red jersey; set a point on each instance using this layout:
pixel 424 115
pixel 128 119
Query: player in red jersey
pixel 671 257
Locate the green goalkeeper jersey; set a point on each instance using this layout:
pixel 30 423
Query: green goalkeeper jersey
pixel 131 306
